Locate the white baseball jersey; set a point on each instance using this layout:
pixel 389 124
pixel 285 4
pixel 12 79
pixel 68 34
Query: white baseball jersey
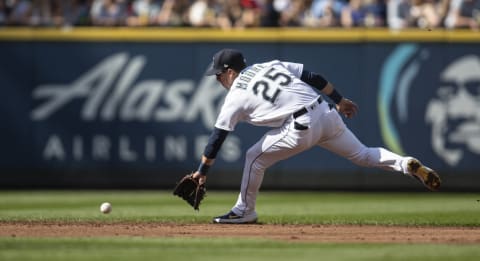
pixel 265 94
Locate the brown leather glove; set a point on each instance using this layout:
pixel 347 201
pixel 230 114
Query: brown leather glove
pixel 190 190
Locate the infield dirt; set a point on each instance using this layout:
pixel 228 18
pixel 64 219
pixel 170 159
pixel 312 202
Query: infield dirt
pixel 308 233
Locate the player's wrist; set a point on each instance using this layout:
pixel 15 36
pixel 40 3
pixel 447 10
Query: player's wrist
pixel 335 96
pixel 203 168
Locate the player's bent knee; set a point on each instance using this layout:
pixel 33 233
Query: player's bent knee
pixel 252 153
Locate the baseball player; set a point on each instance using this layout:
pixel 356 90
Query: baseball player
pixel 283 95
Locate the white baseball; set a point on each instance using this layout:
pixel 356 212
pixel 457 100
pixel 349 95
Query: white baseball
pixel 106 208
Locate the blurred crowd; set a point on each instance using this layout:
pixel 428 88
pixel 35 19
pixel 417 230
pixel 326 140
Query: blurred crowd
pixel 226 14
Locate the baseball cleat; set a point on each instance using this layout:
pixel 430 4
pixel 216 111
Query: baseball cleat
pixel 232 218
pixel 427 176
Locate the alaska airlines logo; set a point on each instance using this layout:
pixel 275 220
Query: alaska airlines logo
pixel 452 113
pixel 109 93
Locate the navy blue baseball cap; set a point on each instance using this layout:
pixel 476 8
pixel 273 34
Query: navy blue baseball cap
pixel 224 59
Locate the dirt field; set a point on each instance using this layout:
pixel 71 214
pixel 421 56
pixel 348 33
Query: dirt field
pixel 309 233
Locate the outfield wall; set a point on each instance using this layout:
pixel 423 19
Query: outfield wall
pixel 130 108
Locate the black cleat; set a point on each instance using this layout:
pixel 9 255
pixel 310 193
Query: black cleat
pixel 232 218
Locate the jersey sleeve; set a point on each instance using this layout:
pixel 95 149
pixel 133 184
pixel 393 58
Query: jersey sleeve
pixel 314 79
pixel 215 142
pixel 295 68
pixel 230 114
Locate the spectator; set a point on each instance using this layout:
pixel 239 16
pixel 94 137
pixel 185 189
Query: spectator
pixel 57 12
pixel 20 12
pixel 202 13
pixel 108 12
pixel 229 14
pixel 238 14
pixel 269 16
pixel 294 13
pixel 397 13
pixel 144 12
pixel 250 14
pixel 442 10
pixel 3 13
pixel 463 14
pixel 76 13
pixel 326 13
pixel 226 14
pixel 281 5
pixel 413 13
pixel 425 14
pixel 363 13
pixel 40 13
pixel 174 13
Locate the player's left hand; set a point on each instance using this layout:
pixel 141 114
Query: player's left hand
pixel 347 108
pixel 191 188
pixel 202 179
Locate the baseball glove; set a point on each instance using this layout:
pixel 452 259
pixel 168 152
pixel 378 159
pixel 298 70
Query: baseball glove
pixel 190 190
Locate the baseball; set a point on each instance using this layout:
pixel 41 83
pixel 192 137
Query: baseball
pixel 106 208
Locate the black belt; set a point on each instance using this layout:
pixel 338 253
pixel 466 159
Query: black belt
pixel 304 110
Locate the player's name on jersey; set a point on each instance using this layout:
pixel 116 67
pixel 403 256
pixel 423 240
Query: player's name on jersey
pixel 247 75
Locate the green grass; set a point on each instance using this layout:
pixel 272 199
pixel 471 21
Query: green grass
pixel 446 209
pixel 222 249
pixel 411 209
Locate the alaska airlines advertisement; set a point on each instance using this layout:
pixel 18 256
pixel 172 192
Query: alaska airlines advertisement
pixel 136 107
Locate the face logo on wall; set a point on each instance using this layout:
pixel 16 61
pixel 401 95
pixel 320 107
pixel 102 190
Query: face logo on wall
pixel 448 117
pixel 454 113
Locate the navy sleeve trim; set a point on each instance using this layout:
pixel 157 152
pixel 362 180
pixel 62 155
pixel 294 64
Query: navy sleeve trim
pixel 335 96
pixel 315 80
pixel 215 143
pixel 203 168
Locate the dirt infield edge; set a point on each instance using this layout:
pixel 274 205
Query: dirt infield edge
pixel 307 233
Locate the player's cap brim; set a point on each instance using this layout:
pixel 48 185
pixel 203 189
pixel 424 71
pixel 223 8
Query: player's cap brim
pixel 212 70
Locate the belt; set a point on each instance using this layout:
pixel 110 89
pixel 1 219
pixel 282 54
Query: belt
pixel 304 109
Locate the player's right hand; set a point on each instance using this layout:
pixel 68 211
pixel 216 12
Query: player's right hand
pixel 347 108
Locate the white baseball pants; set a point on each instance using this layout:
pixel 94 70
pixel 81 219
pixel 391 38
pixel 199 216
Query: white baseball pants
pixel 325 129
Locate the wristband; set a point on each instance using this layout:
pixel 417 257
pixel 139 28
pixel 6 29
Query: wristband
pixel 335 96
pixel 203 168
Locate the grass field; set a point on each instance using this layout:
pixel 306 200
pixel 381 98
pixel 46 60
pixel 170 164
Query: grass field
pixel 318 208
